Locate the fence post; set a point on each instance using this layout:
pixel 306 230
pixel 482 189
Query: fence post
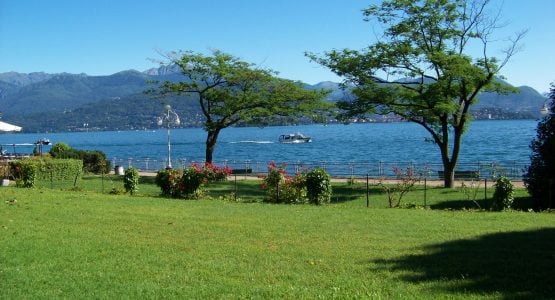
pixel 367 191
pixel 247 163
pixel 235 194
pixel 485 189
pixel 425 190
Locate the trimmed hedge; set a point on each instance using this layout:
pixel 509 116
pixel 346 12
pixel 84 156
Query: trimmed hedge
pixel 30 172
pixel 94 161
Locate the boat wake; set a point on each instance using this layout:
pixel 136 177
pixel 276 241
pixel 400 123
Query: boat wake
pixel 252 142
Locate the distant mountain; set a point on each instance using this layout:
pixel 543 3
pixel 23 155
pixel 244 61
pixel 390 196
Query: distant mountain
pixel 67 102
pixel 528 99
pixel 21 79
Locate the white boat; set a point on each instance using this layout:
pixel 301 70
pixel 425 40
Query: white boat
pixel 294 138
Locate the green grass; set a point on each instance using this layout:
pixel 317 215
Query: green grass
pixel 85 244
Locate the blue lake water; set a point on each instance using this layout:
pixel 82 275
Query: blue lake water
pixel 485 141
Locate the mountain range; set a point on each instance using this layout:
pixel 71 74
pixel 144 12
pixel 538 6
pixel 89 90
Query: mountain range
pixel 41 102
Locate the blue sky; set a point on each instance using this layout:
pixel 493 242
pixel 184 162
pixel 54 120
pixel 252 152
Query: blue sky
pixel 101 37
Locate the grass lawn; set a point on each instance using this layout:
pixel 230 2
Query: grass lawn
pixel 85 244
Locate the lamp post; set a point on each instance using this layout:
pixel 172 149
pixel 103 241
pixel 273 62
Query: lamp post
pixel 168 118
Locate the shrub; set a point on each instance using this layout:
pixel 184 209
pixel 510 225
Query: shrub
pixel 59 148
pixel 318 186
pixel 169 181
pixel 503 195
pixel 24 172
pixel 188 183
pixel 313 187
pixel 213 173
pixel 273 182
pixel 191 181
pixel 131 180
pixel 28 172
pixel 293 190
pixel 405 183
pixel 94 161
pixel 540 177
pixel 471 191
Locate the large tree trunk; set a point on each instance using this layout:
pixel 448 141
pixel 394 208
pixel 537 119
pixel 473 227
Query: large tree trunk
pixel 450 163
pixel 211 140
pixel 449 175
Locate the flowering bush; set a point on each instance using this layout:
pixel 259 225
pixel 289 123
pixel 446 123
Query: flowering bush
pixel 192 180
pixel 281 188
pixel 294 189
pixel 188 182
pixel 213 173
pixel 169 181
pixel 273 182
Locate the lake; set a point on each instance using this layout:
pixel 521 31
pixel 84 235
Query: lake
pixel 372 146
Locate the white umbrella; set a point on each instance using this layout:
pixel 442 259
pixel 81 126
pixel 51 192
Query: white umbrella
pixel 8 127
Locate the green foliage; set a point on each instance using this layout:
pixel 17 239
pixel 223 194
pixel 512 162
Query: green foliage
pixel 293 190
pixel 421 68
pixel 503 196
pixel 94 161
pixel 169 182
pixel 230 91
pixel 213 173
pixel 59 148
pixel 273 181
pixel 318 186
pixel 30 171
pixel 540 177
pixel 313 187
pixel 25 173
pixel 188 182
pixel 131 180
pixel 281 188
pixel 191 182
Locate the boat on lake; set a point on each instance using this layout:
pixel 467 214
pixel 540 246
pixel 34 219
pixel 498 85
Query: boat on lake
pixel 294 138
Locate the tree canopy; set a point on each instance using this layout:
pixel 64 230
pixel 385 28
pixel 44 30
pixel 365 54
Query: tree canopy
pixel 540 178
pixel 423 67
pixel 230 90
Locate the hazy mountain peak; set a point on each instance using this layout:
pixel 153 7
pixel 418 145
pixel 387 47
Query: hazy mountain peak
pixel 23 79
pixel 163 70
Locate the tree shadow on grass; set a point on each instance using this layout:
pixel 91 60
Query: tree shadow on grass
pixel 345 192
pixel 462 204
pixel 519 203
pixel 243 189
pixel 516 265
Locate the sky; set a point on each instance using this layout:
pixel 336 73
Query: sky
pixel 102 37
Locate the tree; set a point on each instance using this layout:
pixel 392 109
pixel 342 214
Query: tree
pixel 229 91
pixel 540 177
pixel 421 69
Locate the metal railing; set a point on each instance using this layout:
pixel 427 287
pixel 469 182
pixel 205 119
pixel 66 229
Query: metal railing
pixel 513 169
